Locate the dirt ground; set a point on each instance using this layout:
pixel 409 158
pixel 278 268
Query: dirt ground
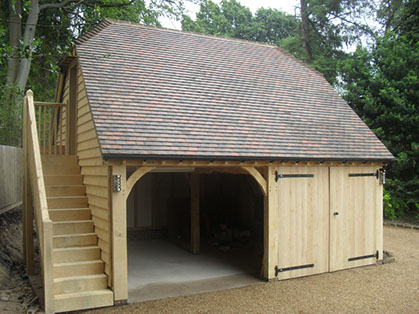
pixel 15 292
pixel 389 288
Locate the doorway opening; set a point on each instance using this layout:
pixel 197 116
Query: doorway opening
pixel 160 262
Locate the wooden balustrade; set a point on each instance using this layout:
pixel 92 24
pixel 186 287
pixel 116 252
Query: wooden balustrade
pixel 52 127
pixel 35 193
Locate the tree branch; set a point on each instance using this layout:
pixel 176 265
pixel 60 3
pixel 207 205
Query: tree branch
pixel 113 5
pixel 360 26
pixel 57 5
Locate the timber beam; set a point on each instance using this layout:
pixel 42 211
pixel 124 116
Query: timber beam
pixel 219 164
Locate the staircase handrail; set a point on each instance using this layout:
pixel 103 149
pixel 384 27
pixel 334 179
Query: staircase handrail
pixel 43 222
pixel 53 129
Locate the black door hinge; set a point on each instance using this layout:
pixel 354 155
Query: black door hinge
pixel 376 255
pixel 364 174
pixel 281 176
pixel 280 270
pixel 379 174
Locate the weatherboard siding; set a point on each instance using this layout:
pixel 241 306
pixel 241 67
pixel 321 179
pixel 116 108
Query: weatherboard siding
pixel 95 174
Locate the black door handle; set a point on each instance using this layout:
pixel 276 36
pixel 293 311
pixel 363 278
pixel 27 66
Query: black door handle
pixel 335 214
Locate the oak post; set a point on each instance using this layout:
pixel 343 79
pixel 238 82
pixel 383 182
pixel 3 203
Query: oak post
pixel 195 232
pixel 154 199
pixel 379 219
pixel 119 236
pixel 271 222
pixel 48 269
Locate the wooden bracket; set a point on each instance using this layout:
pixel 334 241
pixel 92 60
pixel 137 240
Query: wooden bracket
pixel 258 177
pixel 137 175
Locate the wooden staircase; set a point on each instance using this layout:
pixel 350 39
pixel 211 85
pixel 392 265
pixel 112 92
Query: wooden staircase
pixel 78 271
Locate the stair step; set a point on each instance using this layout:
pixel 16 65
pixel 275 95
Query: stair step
pixel 80 283
pixel 67 202
pixel 60 169
pixel 72 227
pixel 63 180
pixel 60 164
pixel 76 254
pixel 70 214
pixel 83 300
pixel 74 240
pixel 66 190
pixel 59 159
pixel 78 268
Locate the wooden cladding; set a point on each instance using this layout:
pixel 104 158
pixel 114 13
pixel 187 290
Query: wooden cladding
pixel 357 230
pixel 96 175
pixel 325 219
pixel 302 226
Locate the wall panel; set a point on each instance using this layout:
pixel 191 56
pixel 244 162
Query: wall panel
pixel 95 174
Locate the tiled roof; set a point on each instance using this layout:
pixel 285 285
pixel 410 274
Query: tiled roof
pixel 159 93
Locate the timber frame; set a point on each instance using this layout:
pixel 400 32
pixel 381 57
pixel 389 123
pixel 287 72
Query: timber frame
pixel 318 215
pixel 262 172
pixel 111 207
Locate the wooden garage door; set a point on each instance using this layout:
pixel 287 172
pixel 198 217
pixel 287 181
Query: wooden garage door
pixel 355 194
pixel 303 226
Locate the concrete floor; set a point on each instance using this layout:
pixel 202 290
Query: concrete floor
pixel 158 269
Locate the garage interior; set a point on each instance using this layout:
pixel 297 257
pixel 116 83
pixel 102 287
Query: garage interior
pixel 164 259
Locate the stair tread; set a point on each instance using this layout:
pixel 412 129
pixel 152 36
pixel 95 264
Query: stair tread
pixel 71 221
pixel 83 293
pixel 78 263
pixel 66 197
pixel 62 175
pixel 83 300
pixel 73 235
pixel 76 248
pixel 80 277
pixel 69 208
pixel 63 185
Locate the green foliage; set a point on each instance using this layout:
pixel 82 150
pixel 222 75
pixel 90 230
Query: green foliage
pixel 400 16
pixel 10 119
pixel 390 207
pixel 382 86
pixel 56 29
pixel 10 116
pixel 231 19
pixel 326 34
pixel 272 26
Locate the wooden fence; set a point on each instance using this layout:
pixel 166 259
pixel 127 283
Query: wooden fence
pixel 10 177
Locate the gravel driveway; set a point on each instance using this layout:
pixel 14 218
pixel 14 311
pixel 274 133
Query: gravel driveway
pixel 389 288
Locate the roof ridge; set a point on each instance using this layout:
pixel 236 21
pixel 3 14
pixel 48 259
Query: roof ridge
pixel 252 42
pixel 108 21
pixel 289 54
pixel 93 31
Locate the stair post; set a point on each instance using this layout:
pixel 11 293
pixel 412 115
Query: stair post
pixel 26 198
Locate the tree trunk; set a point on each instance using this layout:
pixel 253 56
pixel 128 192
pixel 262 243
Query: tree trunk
pixel 28 36
pixel 305 30
pixel 15 35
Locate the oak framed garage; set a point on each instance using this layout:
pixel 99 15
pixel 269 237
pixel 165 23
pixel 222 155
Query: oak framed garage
pixel 132 100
